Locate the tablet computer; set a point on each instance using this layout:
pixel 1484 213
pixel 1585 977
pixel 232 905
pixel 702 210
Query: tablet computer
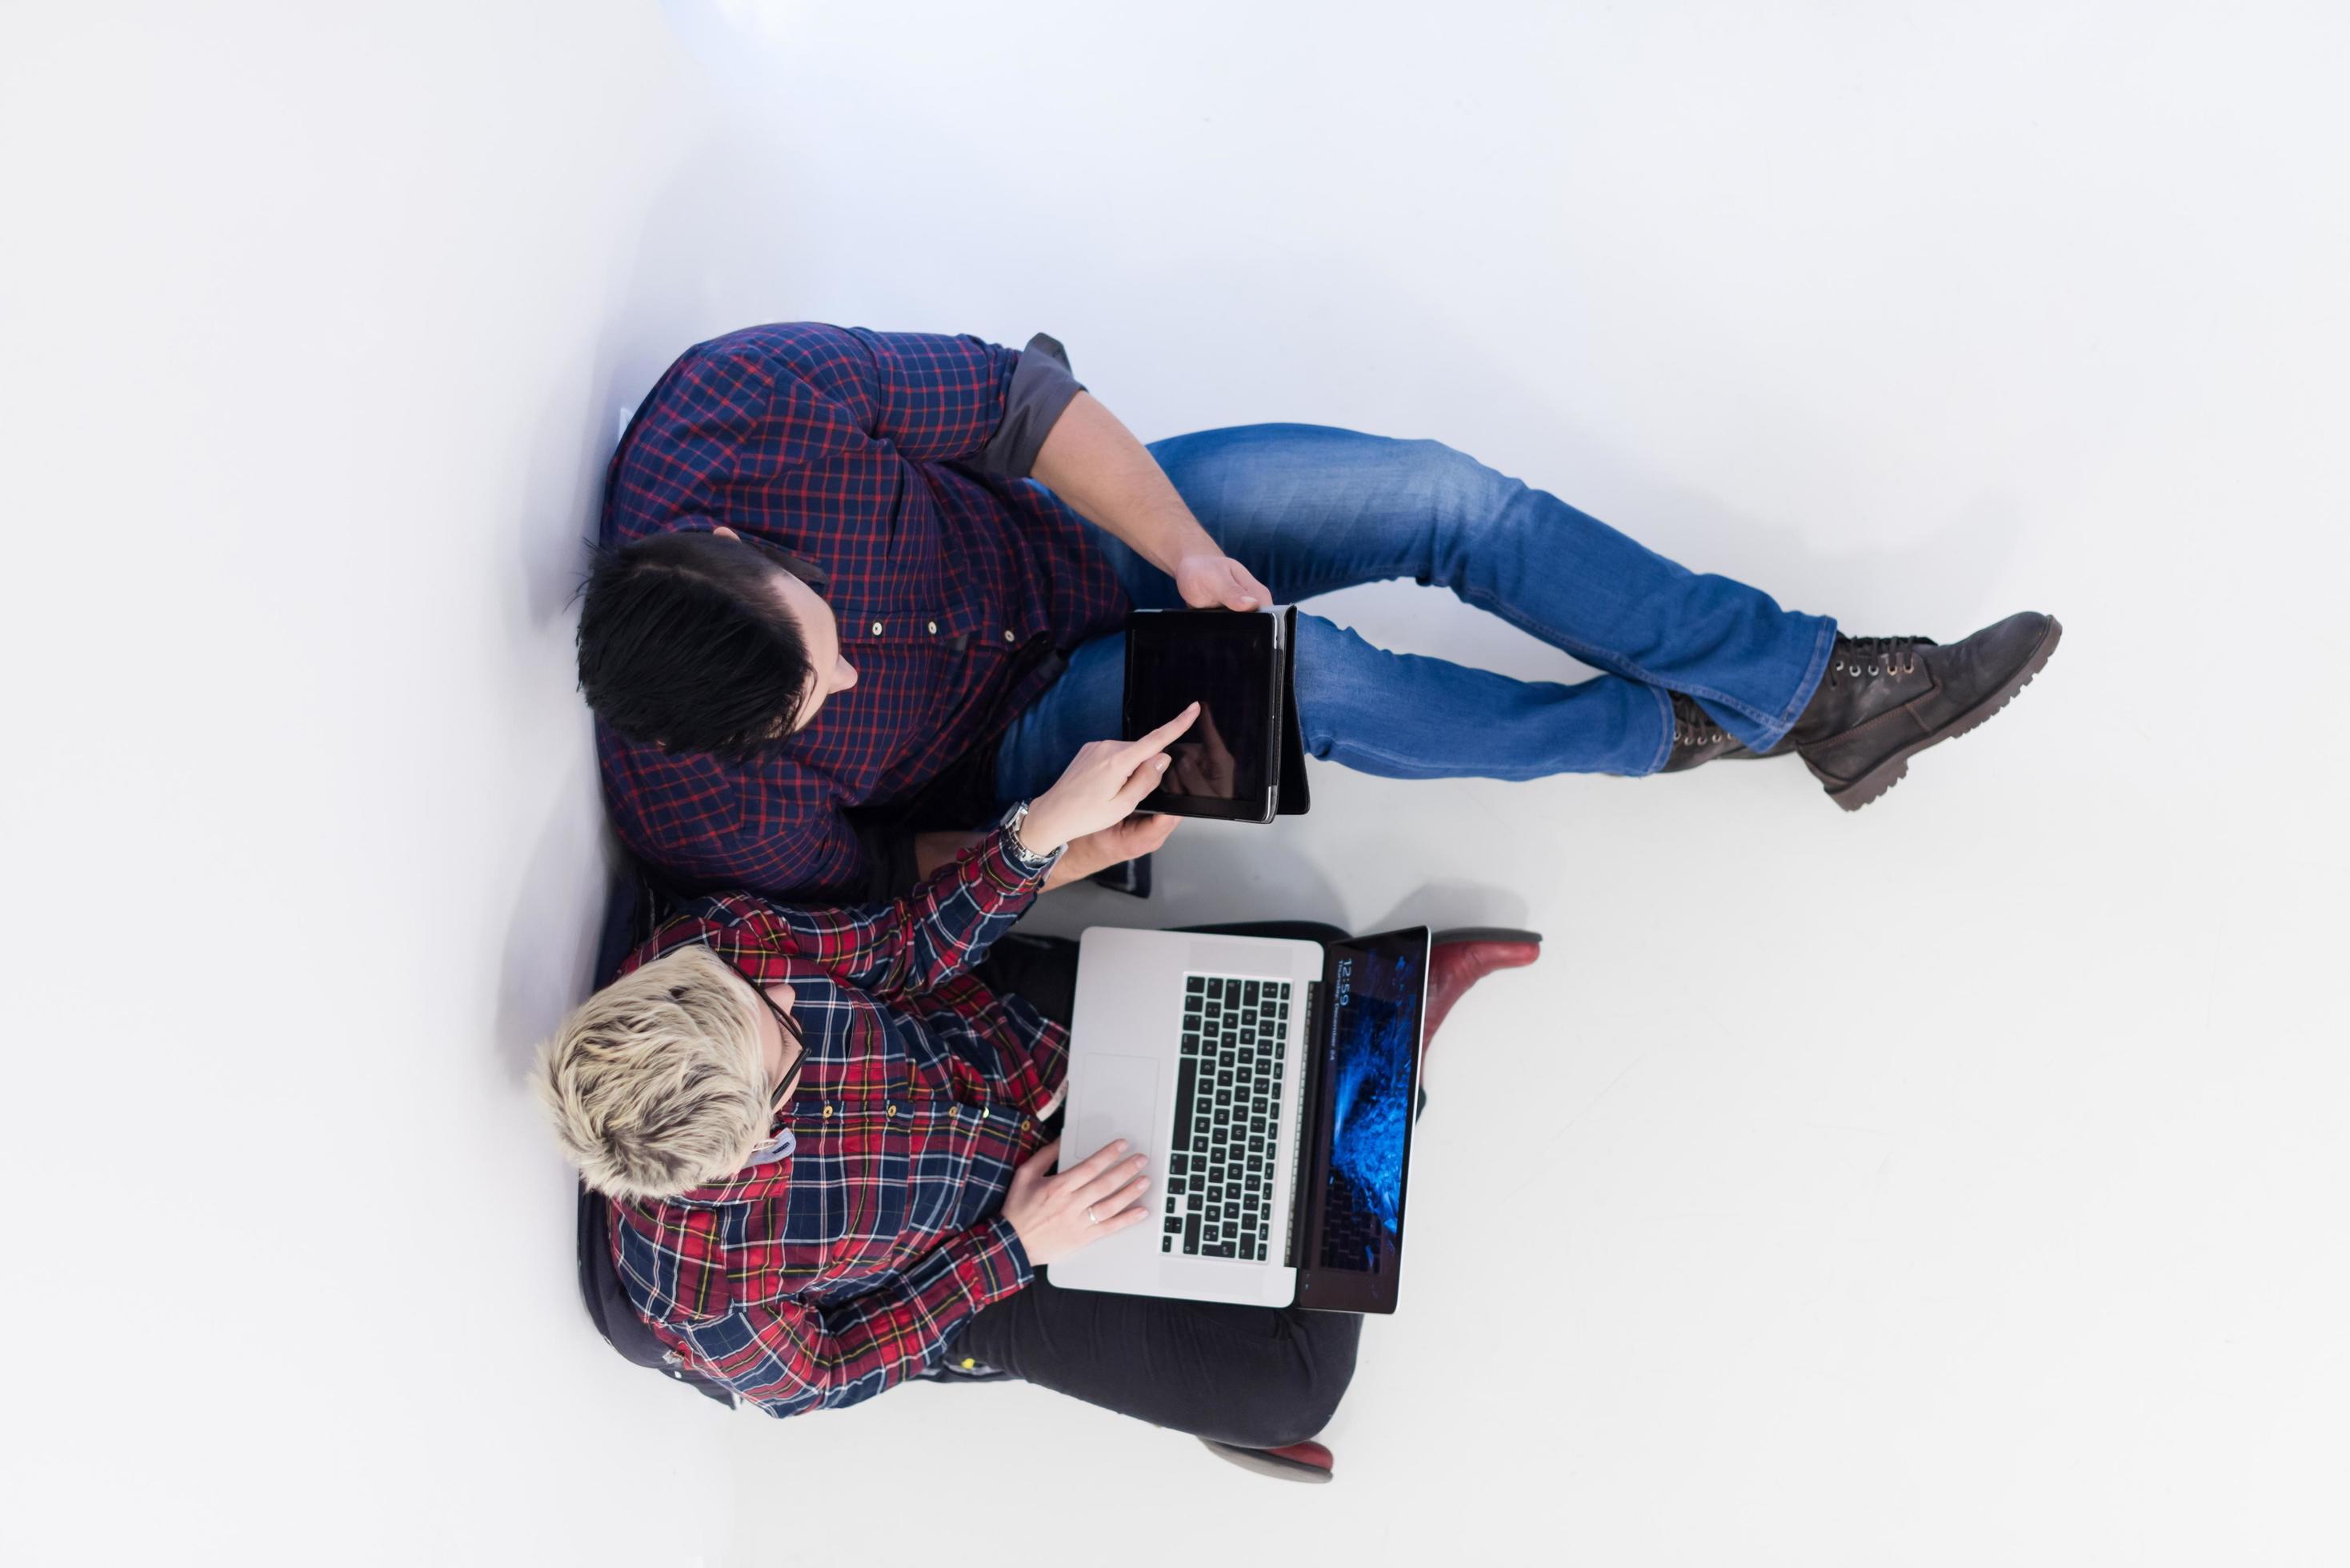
pixel 1243 760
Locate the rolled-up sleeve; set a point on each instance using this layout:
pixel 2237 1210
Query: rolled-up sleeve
pixel 1041 390
pixel 935 399
pixel 790 1357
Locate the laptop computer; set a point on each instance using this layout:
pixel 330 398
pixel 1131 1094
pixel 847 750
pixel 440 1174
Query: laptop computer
pixel 1272 1083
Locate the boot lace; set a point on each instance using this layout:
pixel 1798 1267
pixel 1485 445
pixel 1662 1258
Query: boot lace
pixel 1694 726
pixel 1876 657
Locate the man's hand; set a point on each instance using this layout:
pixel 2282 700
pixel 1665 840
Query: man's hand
pixel 1216 581
pixel 1114 845
pixel 1056 1215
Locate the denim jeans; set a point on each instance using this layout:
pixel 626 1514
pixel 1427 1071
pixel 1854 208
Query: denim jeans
pixel 1310 510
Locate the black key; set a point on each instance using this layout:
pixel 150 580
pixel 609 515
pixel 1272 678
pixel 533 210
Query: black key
pixel 1210 1234
pixel 1248 992
pixel 1256 1145
pixel 1190 1040
pixel 1223 1116
pixel 1224 1079
pixel 1257 1124
pixel 1229 1059
pixel 1223 1098
pixel 1194 984
pixel 1174 1225
pixel 1175 1185
pixel 1253 1182
pixel 1184 1077
pixel 1215 1193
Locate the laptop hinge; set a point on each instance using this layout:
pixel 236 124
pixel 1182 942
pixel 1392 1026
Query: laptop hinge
pixel 1299 1198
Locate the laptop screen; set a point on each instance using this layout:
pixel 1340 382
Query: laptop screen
pixel 1370 1088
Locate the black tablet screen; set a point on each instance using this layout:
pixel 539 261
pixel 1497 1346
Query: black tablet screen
pixel 1223 662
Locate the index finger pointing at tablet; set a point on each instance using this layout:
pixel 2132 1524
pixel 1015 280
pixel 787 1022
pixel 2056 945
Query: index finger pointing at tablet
pixel 1158 739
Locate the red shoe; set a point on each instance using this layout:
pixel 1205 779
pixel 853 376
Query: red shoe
pixel 1459 959
pixel 1306 1462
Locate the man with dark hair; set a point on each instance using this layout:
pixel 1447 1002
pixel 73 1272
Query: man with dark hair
pixel 861 589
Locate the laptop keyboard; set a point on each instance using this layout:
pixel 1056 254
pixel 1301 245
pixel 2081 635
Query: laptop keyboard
pixel 1227 1114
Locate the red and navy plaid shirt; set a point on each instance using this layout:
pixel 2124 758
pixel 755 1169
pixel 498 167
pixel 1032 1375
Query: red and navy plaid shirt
pixel 953 587
pixel 821 1278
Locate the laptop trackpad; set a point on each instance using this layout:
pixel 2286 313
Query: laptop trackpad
pixel 1111 1097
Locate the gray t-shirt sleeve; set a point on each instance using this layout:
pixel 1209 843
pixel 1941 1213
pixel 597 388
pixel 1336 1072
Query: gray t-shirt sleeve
pixel 1041 388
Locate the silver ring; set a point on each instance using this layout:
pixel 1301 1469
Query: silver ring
pixel 1089 1215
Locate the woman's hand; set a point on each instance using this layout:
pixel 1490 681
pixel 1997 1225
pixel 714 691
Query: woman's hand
pixel 1217 582
pixel 1056 1215
pixel 1136 835
pixel 1103 784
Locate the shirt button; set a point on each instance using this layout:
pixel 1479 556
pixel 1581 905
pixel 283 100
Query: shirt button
pixel 827 1110
pixel 893 1110
pixel 934 627
pixel 1009 638
pixel 876 628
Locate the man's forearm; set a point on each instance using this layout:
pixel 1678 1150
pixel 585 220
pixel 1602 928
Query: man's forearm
pixel 1093 462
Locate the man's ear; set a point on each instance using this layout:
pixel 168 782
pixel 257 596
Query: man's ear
pixel 723 531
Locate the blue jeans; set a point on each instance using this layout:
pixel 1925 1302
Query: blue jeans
pixel 1310 510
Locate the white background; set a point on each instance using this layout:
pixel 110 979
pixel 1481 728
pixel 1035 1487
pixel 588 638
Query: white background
pixel 1958 1182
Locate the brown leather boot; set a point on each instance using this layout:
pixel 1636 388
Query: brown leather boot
pixel 1886 699
pixel 1697 738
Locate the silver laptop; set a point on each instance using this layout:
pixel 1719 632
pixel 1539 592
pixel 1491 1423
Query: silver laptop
pixel 1271 1082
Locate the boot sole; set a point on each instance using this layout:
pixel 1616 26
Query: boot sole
pixel 1873 783
pixel 1271 1464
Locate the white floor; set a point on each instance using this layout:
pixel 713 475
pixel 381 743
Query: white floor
pixel 1958 1182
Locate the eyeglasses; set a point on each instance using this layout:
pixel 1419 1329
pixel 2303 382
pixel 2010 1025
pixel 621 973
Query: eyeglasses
pixel 790 1033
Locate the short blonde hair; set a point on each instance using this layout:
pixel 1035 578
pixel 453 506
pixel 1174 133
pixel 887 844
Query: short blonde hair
pixel 658 1083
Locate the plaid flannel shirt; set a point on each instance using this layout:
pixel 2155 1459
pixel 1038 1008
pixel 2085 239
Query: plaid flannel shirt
pixel 821 1278
pixel 867 453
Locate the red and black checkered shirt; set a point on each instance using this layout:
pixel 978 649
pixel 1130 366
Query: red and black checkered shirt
pixel 824 1277
pixel 953 588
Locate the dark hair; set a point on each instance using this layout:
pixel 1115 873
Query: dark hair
pixel 682 642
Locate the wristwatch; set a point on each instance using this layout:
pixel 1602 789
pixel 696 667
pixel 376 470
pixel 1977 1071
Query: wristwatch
pixel 1025 857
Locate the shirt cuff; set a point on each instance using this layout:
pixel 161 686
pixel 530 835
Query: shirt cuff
pixel 995 1265
pixel 1041 389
